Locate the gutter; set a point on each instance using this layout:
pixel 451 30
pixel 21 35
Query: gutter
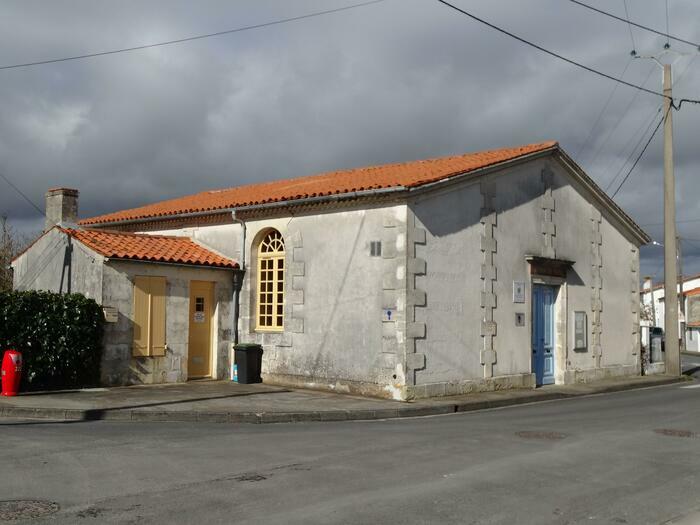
pixel 183 265
pixel 238 278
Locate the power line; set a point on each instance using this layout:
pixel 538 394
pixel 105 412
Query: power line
pixel 602 111
pixel 561 57
pixel 641 153
pixel 613 129
pixel 20 192
pixel 644 128
pixel 650 120
pixel 677 222
pixel 646 28
pixel 190 38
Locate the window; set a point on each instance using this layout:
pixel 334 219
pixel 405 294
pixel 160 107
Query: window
pixel 149 316
pixel 270 312
pixel 375 248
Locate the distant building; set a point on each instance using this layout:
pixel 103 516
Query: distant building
pixel 691 298
pixel 499 269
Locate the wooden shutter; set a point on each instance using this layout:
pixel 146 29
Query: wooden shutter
pixel 149 316
pixel 142 307
pixel 157 316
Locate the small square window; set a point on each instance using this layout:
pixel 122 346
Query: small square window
pixel 375 248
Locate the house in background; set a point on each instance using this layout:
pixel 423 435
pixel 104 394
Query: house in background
pixel 654 295
pixel 498 269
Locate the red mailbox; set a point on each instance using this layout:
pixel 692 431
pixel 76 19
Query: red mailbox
pixel 11 372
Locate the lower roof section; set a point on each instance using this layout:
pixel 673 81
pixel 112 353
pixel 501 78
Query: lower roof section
pixel 151 248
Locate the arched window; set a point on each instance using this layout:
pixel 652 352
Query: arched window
pixel 270 313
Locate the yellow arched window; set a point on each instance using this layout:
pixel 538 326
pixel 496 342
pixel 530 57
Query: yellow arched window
pixel 271 282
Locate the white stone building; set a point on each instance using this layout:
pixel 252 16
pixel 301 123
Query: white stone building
pixel 498 269
pixel 690 321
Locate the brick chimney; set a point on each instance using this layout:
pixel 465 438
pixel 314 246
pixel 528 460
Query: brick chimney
pixel 61 207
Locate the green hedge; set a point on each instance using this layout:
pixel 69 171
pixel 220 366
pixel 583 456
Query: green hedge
pixel 60 337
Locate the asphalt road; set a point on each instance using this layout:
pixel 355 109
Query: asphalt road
pixel 631 457
pixel 691 365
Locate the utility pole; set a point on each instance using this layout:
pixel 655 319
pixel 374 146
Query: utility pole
pixel 673 354
pixel 681 297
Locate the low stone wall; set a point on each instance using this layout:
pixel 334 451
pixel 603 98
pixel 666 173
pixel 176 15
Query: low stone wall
pixel 597 374
pixel 454 388
pixel 338 386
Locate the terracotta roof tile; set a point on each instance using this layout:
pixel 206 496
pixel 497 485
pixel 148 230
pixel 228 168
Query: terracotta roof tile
pixel 406 174
pixel 154 248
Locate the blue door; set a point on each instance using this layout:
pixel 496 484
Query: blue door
pixel 543 333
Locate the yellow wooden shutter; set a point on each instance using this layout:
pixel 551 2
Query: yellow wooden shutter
pixel 141 316
pixel 157 285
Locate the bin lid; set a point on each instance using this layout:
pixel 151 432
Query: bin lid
pixel 247 346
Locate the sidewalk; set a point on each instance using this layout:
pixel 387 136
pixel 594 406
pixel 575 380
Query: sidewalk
pixel 224 401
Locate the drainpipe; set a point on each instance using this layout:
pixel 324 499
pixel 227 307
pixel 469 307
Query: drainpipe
pixel 238 277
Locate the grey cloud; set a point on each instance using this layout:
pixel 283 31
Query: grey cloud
pixel 395 81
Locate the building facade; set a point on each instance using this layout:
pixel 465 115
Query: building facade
pixel 653 302
pixel 499 269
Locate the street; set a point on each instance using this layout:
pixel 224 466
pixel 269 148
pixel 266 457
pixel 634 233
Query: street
pixel 630 457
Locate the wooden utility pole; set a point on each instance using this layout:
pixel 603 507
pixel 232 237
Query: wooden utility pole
pixel 673 354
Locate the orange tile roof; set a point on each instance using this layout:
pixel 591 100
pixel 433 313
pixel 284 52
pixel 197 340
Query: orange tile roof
pixel 154 248
pixel 402 175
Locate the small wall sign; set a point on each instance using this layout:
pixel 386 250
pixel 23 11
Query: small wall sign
pixel 199 317
pixel 518 291
pixel 111 314
pixel 580 331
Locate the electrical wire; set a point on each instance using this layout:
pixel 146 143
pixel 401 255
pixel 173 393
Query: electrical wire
pixel 190 38
pixel 646 28
pixel 20 192
pixel 636 146
pixel 650 121
pixel 622 116
pixel 602 111
pixel 677 222
pixel 565 59
pixel 641 153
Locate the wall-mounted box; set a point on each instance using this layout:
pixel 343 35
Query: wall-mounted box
pixel 518 291
pixel 580 331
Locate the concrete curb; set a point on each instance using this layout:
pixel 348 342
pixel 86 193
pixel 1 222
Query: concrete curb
pixel 401 411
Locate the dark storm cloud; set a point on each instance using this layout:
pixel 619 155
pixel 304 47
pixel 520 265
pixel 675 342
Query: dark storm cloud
pixel 400 80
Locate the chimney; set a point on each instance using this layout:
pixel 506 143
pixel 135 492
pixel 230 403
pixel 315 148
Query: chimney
pixel 647 284
pixel 61 207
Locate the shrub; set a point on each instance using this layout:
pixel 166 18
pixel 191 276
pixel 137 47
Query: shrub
pixel 60 337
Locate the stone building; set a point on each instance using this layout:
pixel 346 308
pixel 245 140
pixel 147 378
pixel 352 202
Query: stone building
pixel 498 269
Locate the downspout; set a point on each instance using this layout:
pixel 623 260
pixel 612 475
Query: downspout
pixel 238 277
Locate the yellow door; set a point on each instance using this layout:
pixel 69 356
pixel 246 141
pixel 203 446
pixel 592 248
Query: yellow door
pixel 201 310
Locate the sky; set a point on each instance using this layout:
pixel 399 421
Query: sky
pixel 394 81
